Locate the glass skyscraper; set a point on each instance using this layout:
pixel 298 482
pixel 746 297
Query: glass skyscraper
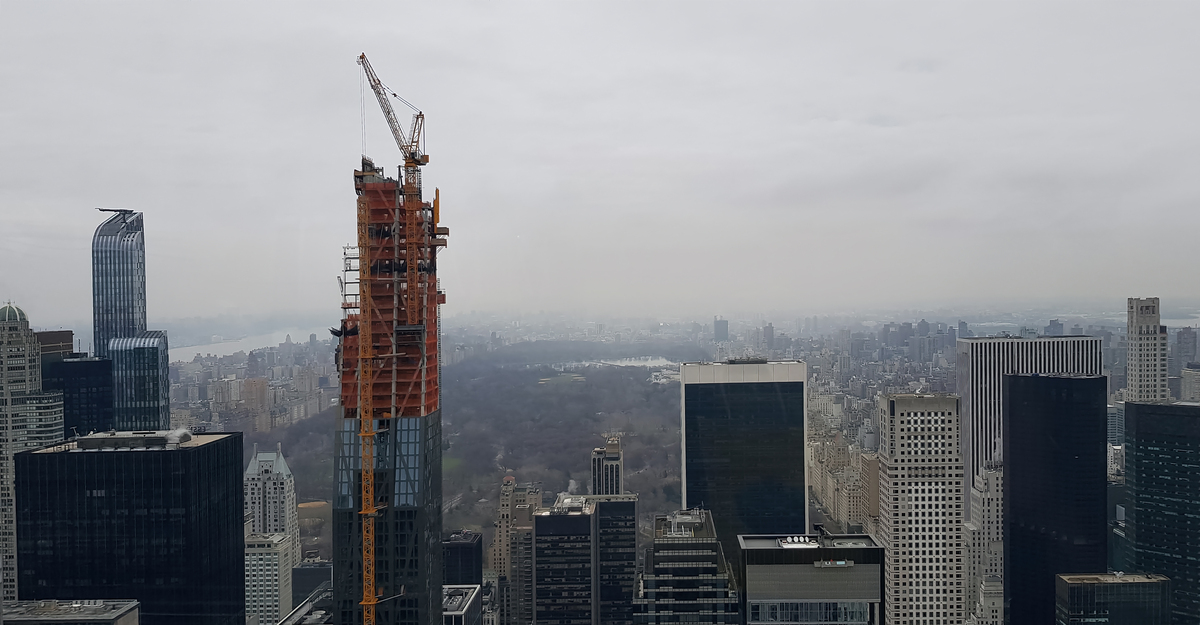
pixel 141 387
pixel 118 280
pixel 87 388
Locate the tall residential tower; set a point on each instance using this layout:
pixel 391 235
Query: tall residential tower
pixel 608 468
pixel 1146 368
pixel 118 279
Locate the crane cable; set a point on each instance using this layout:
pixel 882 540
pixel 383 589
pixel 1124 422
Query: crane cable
pixel 362 109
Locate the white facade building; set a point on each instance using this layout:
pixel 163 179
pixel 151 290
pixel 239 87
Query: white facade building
pixel 921 503
pixel 1146 365
pixel 268 576
pixel 985 540
pixel 270 498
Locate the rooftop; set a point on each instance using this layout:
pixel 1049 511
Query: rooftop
pixel 1113 578
pixel 456 599
pixel 11 313
pixel 133 441
pixel 77 611
pixel 695 523
pixel 804 541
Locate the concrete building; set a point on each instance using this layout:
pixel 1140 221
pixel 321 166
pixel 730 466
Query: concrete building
pixel 920 509
pixel 118 280
pixel 461 604
pixel 685 577
pixel 1112 599
pixel 75 612
pixel 811 578
pixel 608 468
pixel 29 418
pixel 983 538
pixel 151 516
pixel 141 384
pixel 1189 382
pixel 1146 368
pixel 511 495
pixel 269 497
pixel 1055 487
pixel 743 446
pixel 268 576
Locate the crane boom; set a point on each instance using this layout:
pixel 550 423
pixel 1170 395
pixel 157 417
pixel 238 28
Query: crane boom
pixel 410 144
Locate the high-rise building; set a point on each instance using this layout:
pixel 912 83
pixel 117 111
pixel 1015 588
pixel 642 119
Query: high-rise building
pixel 152 516
pixel 29 418
pixel 87 388
pixel 141 384
pixel 743 434
pixel 685 577
pixel 56 345
pixel 920 509
pixel 118 280
pixel 389 364
pixel 511 496
pixel 1055 487
pixel 1162 442
pixel 463 558
pixel 1185 346
pixel 584 560
pixel 809 578
pixel 608 468
pixel 1116 423
pixel 1146 368
pixel 268 576
pixel 720 330
pixel 1189 383
pixel 269 498
pixel 1112 599
pixel 516 587
pixel 983 536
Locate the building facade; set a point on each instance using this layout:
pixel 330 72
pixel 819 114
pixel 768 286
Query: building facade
pixel 1162 442
pixel 1146 365
pixel 921 509
pixel 1055 487
pixel 463 558
pixel 29 418
pixel 118 280
pixel 154 516
pixel 743 446
pixel 608 468
pixel 1112 599
pixel 685 577
pixel 268 576
pixel 269 498
pixel 812 579
pixel 86 385
pixel 983 541
pixel 141 382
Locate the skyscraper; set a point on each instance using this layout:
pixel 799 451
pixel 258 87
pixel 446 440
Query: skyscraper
pixel 685 578
pixel 920 508
pixel 1112 599
pixel 87 388
pixel 1055 487
pixel 118 279
pixel 1146 371
pixel 511 496
pixel 608 468
pixel 720 330
pixel 152 516
pixel 1185 346
pixel 743 428
pixel 463 558
pixel 29 418
pixel 268 576
pixel 141 382
pixel 1162 443
pixel 269 498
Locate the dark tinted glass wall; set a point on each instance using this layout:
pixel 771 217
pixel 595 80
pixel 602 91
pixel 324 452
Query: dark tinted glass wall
pixel 160 526
pixel 562 569
pixel 744 446
pixel 616 560
pixel 87 388
pixel 463 555
pixel 1055 482
pixel 1162 480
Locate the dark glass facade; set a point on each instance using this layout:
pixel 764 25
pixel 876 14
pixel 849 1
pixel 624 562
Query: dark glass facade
pixel 744 457
pixel 118 280
pixel 1112 599
pixel 616 559
pixel 1055 487
pixel 1162 482
pixel 462 555
pixel 562 569
pixel 129 517
pixel 141 389
pixel 87 388
pixel 685 578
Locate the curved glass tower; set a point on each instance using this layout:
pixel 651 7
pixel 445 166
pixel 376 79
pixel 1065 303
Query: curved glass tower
pixel 118 280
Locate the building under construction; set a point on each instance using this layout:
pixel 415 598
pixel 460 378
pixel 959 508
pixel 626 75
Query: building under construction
pixel 388 517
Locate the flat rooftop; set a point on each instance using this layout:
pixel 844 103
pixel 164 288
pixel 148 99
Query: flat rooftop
pixel 81 611
pixel 1113 578
pixel 134 441
pixel 804 541
pixel 456 599
pixel 684 524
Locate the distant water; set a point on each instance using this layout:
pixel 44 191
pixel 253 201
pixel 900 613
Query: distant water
pixel 649 362
pixel 225 348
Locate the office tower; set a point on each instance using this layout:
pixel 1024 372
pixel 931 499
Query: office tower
pixel 792 578
pixel 1163 490
pixel 87 388
pixel 74 612
pixel 685 578
pixel 720 330
pixel 983 537
pixel 462 604
pixel 516 587
pixel 1189 383
pixel 584 560
pixel 511 496
pixel 922 328
pixel 768 334
pixel 463 557
pixel 1054 329
pixel 608 468
pixel 1185 346
pixel 153 516
pixel 269 498
pixel 118 280
pixel 29 418
pixel 1146 371
pixel 1116 424
pixel 141 385
pixel 920 508
pixel 56 345
pixel 268 576
pixel 1055 487
pixel 1112 599
pixel 743 446
pixel 389 363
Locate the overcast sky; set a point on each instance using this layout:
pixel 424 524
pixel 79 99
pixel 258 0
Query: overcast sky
pixel 627 158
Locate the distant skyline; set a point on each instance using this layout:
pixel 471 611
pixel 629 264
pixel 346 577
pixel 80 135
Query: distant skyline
pixel 627 159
